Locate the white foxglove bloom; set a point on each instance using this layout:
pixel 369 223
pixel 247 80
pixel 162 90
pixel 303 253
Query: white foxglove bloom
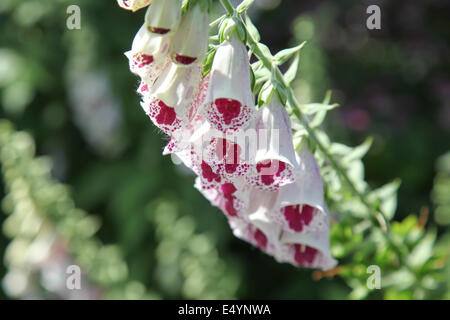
pixel 275 159
pixel 163 16
pixel 301 204
pixel 306 249
pixel 303 216
pixel 148 55
pixel 190 42
pixel 133 5
pixel 229 104
pixel 169 101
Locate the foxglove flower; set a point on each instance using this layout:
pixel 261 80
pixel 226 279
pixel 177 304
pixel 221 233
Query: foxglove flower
pixel 169 101
pixel 310 250
pixel 275 159
pixel 229 104
pixel 133 5
pixel 301 204
pixel 148 56
pixel 191 40
pixel 163 16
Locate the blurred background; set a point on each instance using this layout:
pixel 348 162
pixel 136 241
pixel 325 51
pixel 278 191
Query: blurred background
pixel 103 197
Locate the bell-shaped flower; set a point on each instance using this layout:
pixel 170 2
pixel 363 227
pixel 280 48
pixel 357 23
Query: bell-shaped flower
pixel 190 42
pixel 307 249
pixel 301 206
pixel 134 5
pixel 148 56
pixel 229 104
pixel 275 160
pixel 163 16
pixel 169 101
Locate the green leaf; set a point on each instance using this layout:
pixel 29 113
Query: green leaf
pixel 422 251
pixel 207 63
pixel 243 7
pixel 286 54
pixel 339 149
pixel 265 50
pixel 327 98
pixel 252 30
pixel 387 195
pixel 265 93
pixel 313 108
pixel 359 152
pixel 291 73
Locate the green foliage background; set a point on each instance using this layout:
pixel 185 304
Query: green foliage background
pixel 157 236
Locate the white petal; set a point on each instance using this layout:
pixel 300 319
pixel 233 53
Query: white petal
pixel 177 87
pixel 148 55
pixel 319 240
pixel 163 16
pixel 308 187
pixel 275 134
pixel 230 73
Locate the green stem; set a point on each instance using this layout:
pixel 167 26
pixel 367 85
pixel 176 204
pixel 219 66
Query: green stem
pixel 227 5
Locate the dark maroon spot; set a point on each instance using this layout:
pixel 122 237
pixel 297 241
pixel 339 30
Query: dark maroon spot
pixel 229 108
pixel 208 173
pixel 260 239
pixel 166 115
pixel 229 208
pixel 269 166
pixel 292 216
pixel 230 168
pixel 228 189
pixel 267 180
pixel 307 214
pixel 184 59
pixel 145 60
pixel 281 167
pixel 304 256
pixel 298 219
pixel 158 30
